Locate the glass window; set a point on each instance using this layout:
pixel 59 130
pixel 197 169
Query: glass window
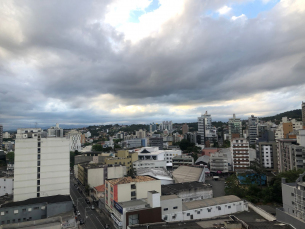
pixel 165 209
pixel 133 219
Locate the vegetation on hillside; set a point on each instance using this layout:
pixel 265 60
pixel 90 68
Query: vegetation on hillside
pixel 294 114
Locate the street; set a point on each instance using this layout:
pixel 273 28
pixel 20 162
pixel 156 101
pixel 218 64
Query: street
pixel 94 219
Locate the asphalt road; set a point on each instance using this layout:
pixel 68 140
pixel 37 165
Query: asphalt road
pixel 217 186
pixel 94 220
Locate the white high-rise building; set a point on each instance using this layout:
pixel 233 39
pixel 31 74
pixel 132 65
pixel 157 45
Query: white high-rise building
pixel 41 165
pixel 205 129
pixel 74 136
pixel 253 131
pixel 141 133
pixel 55 131
pixel 1 136
pixel 166 125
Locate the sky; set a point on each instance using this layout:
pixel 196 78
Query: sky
pixel 140 61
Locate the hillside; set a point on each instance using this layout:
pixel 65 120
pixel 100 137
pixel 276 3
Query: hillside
pixel 294 114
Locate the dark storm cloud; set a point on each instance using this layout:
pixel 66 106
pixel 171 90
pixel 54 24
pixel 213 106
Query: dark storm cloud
pixel 63 51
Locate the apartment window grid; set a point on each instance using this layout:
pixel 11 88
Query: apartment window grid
pixel 38 163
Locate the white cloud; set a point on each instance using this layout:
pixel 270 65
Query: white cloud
pixel 240 17
pixel 224 10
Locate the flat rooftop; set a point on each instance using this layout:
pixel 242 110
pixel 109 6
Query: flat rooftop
pixel 47 199
pixel 210 202
pixel 169 197
pixel 126 180
pixel 178 187
pixel 187 173
pixel 132 203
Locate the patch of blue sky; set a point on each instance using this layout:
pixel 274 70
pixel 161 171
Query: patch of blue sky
pixel 135 14
pixel 253 8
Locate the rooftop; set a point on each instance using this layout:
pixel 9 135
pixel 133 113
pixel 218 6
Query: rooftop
pixel 47 199
pixel 169 197
pixel 178 187
pixel 126 180
pixel 132 203
pixel 187 173
pixel 210 202
pixel 100 188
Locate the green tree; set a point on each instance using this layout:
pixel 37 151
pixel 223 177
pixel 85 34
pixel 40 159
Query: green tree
pixel 184 144
pixel 10 157
pixel 131 172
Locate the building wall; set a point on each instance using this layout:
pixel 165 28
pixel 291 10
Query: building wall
pixel 76 171
pixel 59 208
pixel 149 215
pixel 54 168
pixel 214 211
pixel 199 194
pixel 240 153
pixel 172 210
pixel 6 185
pixel 288 199
pixel 149 164
pixel 95 177
pixel 169 154
pixel 116 172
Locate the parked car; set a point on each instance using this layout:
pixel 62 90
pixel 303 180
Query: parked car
pixel 78 213
pixel 81 222
pixel 92 207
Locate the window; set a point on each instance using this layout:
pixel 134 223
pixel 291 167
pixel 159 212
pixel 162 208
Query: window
pixel 292 203
pixel 19 220
pixel 38 176
pixel 2 222
pixel 15 211
pixel 23 209
pixel 2 213
pixel 38 169
pixel 198 212
pixel 38 182
pixel 38 163
pixel 38 144
pixel 188 214
pixel 133 219
pixel 29 209
pixel 43 207
pixel 38 157
pixel 165 218
pixel 292 194
pixel 209 209
pixel 14 220
pixel 6 212
pixel 219 208
pixel 36 208
pixel 24 219
pixel 38 189
pixel 133 186
pixel 174 217
pixel 175 207
pixel 133 193
pixel 38 194
pixel 229 206
pixel 165 209
pixel 30 218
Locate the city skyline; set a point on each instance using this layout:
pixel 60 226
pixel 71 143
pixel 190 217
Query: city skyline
pixel 112 62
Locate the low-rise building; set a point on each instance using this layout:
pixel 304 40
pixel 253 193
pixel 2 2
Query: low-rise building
pixel 123 157
pixel 219 163
pixel 188 173
pixel 34 209
pixel 188 191
pixel 149 164
pixel 150 153
pixel 170 154
pixel 156 142
pixel 159 173
pixel 129 188
pixel 182 160
pixel 95 174
pixel 200 209
pixel 6 185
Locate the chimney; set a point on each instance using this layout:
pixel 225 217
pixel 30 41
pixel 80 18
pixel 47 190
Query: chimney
pixel 153 199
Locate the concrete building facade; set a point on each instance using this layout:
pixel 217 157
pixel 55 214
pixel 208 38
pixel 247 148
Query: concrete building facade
pixel 235 127
pixel 252 129
pixel 41 165
pixel 219 162
pixel 1 136
pixel 55 131
pixel 182 160
pixel 149 164
pixel 75 140
pixel 240 154
pixel 6 186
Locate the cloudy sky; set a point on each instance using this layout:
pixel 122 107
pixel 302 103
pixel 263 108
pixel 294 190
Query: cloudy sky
pixel 137 61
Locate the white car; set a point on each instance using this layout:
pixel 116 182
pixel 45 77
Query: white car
pixel 92 207
pixel 78 213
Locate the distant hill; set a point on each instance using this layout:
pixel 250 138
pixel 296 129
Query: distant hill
pixel 294 114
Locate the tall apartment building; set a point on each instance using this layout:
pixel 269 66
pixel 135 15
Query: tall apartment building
pixel 235 127
pixel 291 152
pixel 166 125
pixel 55 131
pixel 293 211
pixel 303 114
pixel 141 133
pixel 41 165
pixel 252 129
pixel 240 154
pixel 185 128
pixel 204 123
pixel 74 137
pixel 129 188
pixel 152 127
pixel 1 136
pixel 219 163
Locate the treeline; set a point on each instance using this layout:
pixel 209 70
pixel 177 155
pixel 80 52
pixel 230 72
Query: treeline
pixel 294 114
